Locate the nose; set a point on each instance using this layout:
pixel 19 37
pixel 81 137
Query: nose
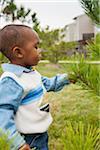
pixel 39 50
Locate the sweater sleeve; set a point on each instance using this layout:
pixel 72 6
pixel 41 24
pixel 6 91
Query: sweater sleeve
pixel 10 97
pixel 55 83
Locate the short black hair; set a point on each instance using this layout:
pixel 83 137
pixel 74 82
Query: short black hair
pixel 11 36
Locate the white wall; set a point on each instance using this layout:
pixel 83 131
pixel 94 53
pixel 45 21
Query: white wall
pixel 81 25
pixel 70 32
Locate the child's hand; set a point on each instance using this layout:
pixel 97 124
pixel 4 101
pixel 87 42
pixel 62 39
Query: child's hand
pixel 72 77
pixel 25 147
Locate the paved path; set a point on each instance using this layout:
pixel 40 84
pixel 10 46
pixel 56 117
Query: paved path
pixel 71 62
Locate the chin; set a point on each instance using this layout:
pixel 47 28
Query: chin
pixel 35 63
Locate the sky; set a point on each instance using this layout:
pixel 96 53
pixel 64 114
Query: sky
pixel 55 13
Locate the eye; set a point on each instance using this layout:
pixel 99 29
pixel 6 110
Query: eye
pixel 36 47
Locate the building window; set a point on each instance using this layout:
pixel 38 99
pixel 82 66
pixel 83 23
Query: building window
pixel 87 36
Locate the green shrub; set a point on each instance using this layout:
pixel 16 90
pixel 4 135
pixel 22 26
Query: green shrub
pixel 78 136
pixel 94 48
pixel 88 75
pixel 4 144
pixel 3 59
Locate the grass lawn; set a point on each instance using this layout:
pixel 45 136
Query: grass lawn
pixel 73 104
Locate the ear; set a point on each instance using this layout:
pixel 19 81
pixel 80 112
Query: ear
pixel 17 52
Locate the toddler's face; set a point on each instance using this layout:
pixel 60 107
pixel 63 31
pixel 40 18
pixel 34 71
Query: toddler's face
pixel 32 53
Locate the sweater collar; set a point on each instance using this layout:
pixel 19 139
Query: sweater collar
pixel 16 69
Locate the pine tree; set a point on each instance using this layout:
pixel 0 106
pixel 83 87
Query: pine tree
pixel 92 9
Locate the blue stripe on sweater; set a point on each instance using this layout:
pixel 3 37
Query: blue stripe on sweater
pixel 33 95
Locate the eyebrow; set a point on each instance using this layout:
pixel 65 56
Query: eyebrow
pixel 35 44
pixel 38 42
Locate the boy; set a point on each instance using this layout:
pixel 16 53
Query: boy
pixel 22 89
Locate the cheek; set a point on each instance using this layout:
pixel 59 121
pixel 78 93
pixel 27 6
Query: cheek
pixel 34 55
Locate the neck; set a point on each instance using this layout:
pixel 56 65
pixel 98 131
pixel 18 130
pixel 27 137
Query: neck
pixel 18 63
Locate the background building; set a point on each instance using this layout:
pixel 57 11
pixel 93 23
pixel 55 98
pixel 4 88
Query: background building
pixel 81 29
